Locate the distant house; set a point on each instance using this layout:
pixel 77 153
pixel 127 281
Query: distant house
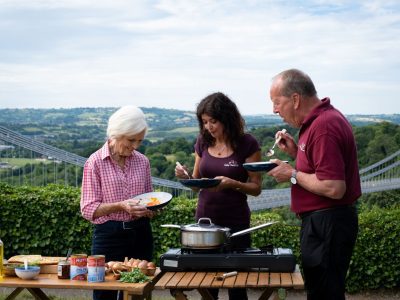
pixel 6 147
pixel 4 165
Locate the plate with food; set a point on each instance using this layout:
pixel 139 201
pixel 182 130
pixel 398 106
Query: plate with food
pixel 202 183
pixel 260 166
pixel 153 200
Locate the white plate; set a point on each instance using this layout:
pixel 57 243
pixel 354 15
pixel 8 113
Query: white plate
pixel 161 198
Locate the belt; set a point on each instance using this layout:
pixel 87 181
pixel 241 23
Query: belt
pixel 328 209
pixel 128 225
pixel 124 225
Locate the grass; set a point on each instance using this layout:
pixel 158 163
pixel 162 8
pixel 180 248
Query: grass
pixel 71 294
pixel 186 129
pixel 32 129
pixel 25 295
pixel 170 157
pixel 20 162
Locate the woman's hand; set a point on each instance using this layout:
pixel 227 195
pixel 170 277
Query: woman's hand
pixel 181 172
pixel 136 210
pixel 226 183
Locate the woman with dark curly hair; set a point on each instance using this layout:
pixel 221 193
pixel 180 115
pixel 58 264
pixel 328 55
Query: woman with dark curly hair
pixel 220 151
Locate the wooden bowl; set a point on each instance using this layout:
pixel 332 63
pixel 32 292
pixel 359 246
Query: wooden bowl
pixel 9 269
pixel 151 271
pixel 143 270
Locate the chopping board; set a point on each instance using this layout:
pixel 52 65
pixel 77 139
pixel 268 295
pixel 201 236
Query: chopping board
pixel 35 259
pixel 48 264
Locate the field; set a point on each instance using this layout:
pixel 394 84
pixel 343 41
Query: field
pixel 20 162
pixel 186 130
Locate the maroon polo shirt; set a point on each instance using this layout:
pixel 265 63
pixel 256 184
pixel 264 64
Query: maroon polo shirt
pixel 327 148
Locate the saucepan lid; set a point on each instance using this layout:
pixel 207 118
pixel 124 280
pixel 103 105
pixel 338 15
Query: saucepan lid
pixel 202 225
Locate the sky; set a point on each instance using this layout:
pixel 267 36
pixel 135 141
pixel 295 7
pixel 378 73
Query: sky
pixel 173 53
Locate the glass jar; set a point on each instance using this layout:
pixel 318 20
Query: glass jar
pixel 63 269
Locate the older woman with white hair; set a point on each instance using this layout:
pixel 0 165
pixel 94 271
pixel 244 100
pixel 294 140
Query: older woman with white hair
pixel 111 176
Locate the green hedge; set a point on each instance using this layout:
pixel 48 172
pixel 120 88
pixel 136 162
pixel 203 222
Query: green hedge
pixel 376 258
pixel 47 221
pixel 42 220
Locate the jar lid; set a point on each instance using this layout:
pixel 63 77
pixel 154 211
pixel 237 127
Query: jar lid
pixel 64 262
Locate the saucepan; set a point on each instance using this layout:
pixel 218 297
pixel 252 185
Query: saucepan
pixel 206 235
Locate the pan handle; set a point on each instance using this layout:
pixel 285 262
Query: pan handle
pixel 171 226
pixel 252 229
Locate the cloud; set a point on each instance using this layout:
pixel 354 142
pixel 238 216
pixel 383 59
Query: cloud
pixel 173 53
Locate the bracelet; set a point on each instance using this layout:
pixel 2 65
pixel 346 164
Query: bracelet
pixel 238 188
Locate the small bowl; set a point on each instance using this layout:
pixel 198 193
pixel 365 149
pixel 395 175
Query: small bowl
pixel 29 273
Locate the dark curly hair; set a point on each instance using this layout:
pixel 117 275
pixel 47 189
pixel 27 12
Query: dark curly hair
pixel 219 107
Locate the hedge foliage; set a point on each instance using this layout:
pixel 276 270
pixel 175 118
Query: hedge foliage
pixel 376 257
pixel 47 221
pixel 42 220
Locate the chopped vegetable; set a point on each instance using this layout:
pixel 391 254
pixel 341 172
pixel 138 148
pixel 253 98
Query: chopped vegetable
pixel 135 276
pixel 153 201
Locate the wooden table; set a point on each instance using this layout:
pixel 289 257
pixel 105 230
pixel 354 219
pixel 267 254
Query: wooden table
pixel 269 283
pixel 134 291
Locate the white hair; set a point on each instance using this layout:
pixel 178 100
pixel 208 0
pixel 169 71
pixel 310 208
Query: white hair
pixel 128 120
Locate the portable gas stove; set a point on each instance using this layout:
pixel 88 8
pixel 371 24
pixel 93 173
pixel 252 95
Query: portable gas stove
pixel 266 258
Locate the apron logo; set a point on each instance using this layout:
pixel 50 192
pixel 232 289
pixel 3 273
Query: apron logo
pixel 302 147
pixel 232 163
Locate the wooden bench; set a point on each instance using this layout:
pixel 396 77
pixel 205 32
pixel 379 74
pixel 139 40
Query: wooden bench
pixel 135 291
pixel 269 283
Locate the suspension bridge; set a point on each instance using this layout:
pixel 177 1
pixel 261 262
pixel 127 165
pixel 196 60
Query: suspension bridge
pixel 381 176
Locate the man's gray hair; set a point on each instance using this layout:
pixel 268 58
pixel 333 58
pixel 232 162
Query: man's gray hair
pixel 296 81
pixel 128 120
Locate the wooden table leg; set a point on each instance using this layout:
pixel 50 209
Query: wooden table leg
pixel 178 294
pixel 205 294
pixel 38 294
pixel 272 294
pixel 14 294
pixel 125 295
pixel 148 296
pixel 266 294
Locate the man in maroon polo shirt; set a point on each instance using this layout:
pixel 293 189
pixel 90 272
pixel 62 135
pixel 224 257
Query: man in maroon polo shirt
pixel 325 181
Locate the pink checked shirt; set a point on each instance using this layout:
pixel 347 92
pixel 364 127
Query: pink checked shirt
pixel 105 182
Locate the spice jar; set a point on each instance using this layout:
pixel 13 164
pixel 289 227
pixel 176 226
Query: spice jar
pixel 63 269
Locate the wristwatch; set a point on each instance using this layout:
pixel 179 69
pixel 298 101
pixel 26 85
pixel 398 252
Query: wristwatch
pixel 293 178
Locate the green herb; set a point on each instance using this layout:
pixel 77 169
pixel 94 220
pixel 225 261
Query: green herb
pixel 33 264
pixel 135 276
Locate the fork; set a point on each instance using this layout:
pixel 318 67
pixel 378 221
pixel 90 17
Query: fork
pixel 184 171
pixel 271 151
